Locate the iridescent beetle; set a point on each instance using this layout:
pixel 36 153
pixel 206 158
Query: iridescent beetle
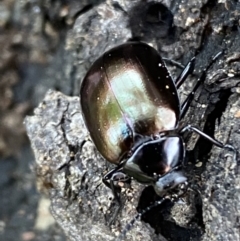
pixel 132 110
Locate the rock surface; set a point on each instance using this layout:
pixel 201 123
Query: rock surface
pixel 51 44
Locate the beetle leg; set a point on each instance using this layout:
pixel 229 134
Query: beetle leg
pixel 188 100
pixel 173 62
pixel 188 69
pixel 115 175
pixel 138 216
pixel 111 177
pixel 185 73
pixel 211 139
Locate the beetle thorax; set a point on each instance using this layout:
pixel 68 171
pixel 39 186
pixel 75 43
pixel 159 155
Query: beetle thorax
pixel 154 159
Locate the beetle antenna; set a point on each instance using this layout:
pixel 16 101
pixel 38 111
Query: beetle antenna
pixel 129 226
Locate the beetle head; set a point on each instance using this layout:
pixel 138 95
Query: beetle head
pixel 157 162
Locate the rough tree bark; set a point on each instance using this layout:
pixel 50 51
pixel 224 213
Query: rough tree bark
pixel 70 170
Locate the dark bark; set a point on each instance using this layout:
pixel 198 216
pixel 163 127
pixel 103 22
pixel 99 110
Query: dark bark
pixel 70 170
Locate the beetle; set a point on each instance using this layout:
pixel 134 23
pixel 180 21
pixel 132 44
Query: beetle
pixel 132 110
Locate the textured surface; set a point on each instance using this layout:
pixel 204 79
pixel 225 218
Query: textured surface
pixel 51 44
pixel 72 171
pixel 221 181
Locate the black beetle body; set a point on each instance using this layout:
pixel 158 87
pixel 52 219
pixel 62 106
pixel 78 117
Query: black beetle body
pixel 124 93
pixel 131 108
pixel 128 99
